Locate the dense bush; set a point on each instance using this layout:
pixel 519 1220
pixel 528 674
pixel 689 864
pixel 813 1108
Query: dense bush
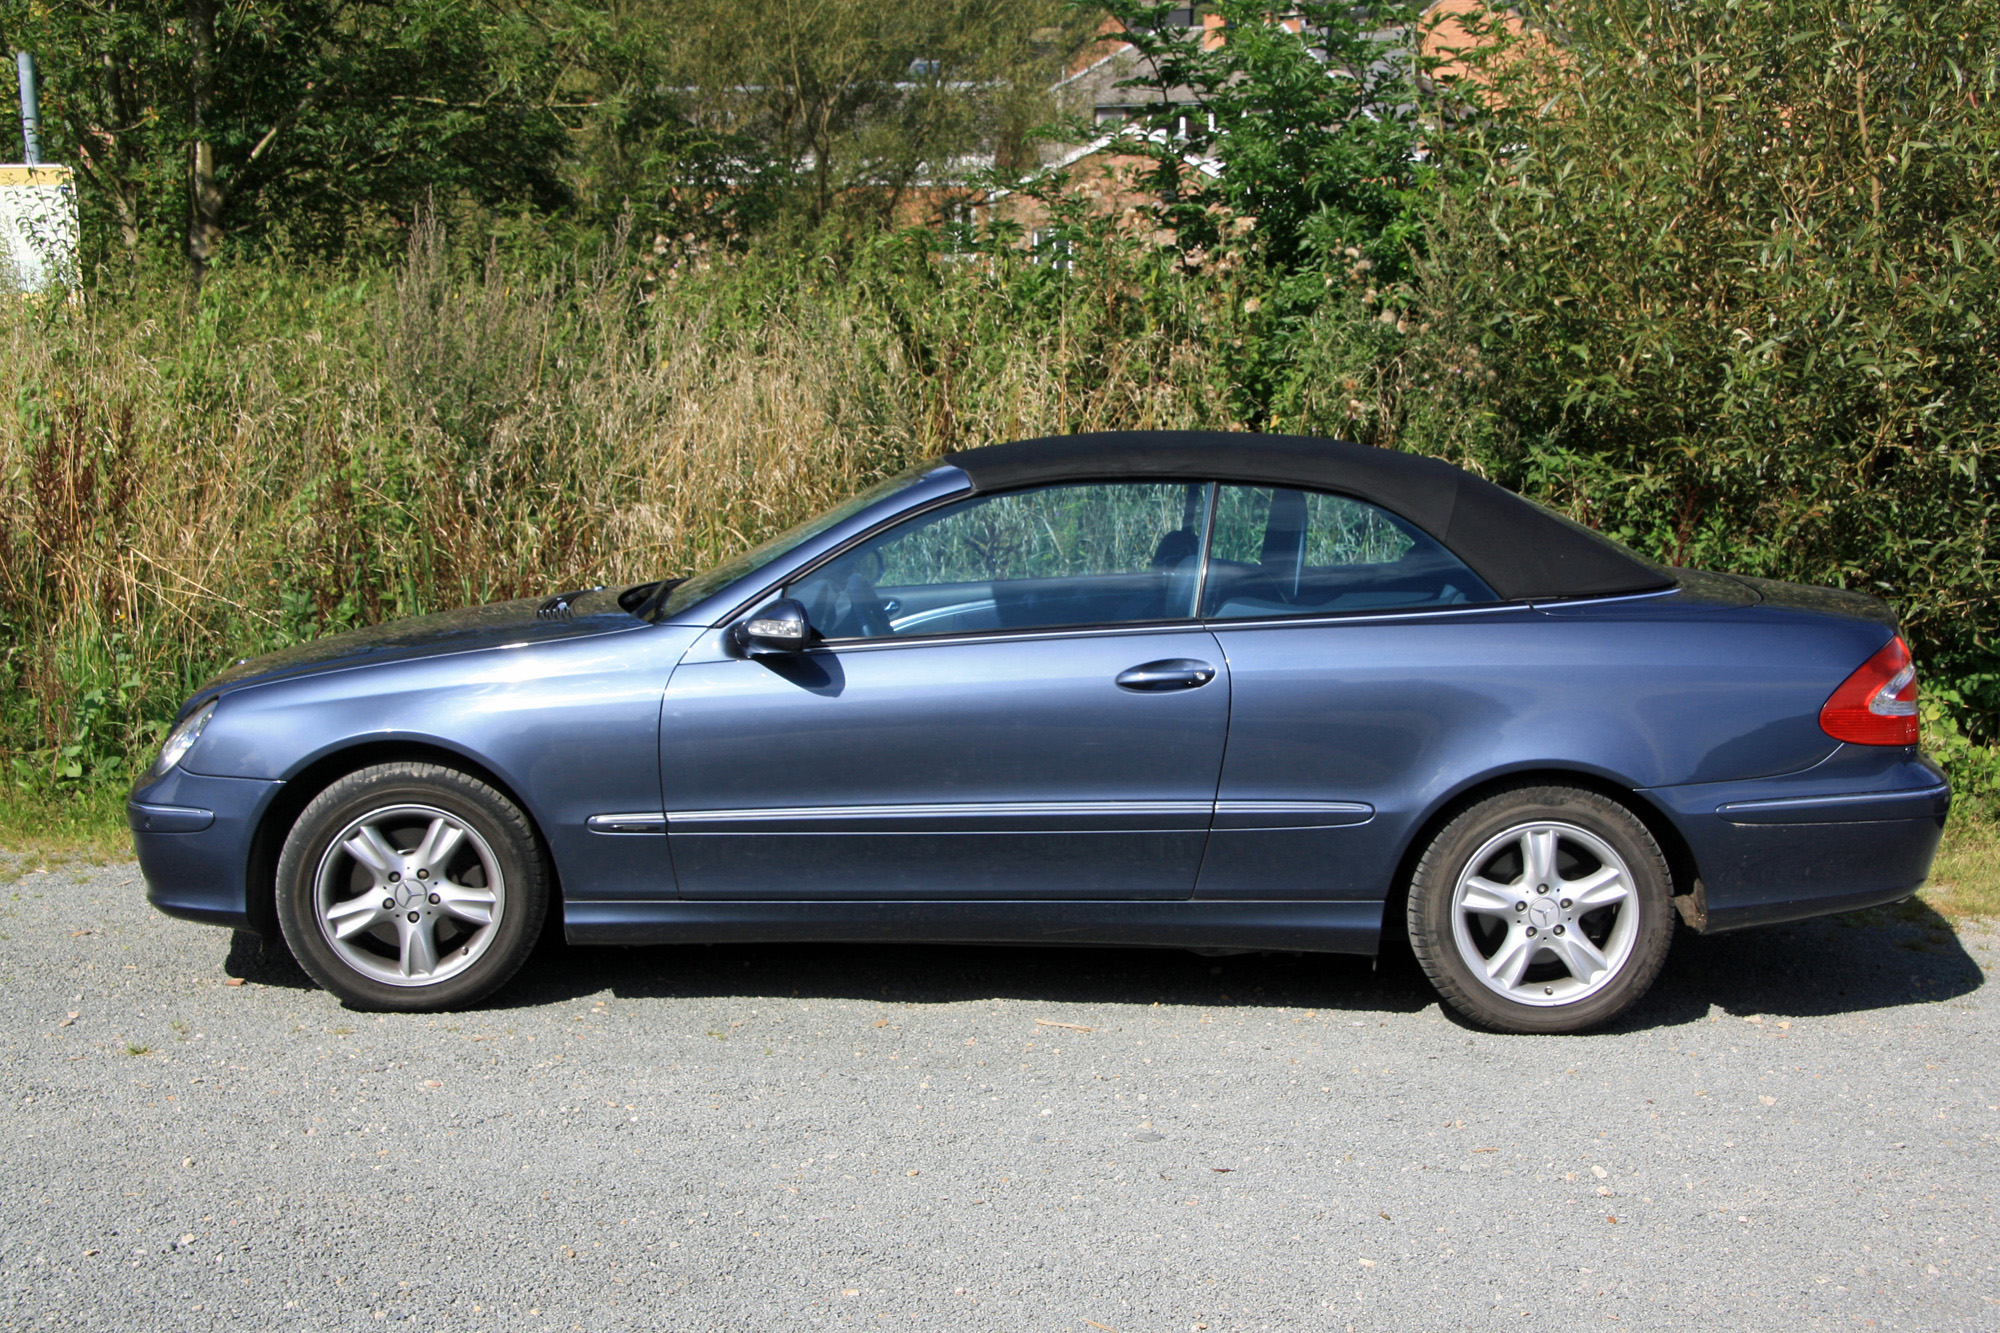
pixel 1723 282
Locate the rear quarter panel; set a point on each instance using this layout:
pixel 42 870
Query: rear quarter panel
pixel 1406 713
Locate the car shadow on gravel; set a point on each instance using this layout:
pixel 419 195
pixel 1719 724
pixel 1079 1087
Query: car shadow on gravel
pixel 263 962
pixel 1879 959
pixel 1882 958
pixel 944 974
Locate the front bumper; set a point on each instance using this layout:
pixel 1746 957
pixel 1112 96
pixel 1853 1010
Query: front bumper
pixel 194 836
pixel 1854 831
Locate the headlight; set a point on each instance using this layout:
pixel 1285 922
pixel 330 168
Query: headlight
pixel 182 738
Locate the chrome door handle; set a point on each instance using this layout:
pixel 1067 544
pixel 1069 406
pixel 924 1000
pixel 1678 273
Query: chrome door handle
pixel 1173 673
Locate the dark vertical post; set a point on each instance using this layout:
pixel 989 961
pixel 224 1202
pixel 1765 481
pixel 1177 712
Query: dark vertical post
pixel 205 195
pixel 31 109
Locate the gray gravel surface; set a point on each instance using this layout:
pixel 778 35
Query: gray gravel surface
pixel 1797 1129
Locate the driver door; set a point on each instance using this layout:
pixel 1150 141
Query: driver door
pixel 1009 698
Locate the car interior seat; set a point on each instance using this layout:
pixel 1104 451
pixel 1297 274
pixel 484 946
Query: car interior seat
pixel 1178 556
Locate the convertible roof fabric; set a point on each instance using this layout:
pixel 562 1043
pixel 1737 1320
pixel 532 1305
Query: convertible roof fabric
pixel 1523 551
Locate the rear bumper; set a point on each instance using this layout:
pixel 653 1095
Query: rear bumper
pixel 193 836
pixel 1855 831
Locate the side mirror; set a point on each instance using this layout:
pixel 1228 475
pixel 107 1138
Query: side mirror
pixel 780 627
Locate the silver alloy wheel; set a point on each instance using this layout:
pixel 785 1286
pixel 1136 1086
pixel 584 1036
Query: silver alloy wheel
pixel 1544 913
pixel 409 895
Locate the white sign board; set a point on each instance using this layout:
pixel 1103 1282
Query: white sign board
pixel 38 228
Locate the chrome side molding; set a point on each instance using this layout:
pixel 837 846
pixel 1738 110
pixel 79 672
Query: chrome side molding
pixel 645 821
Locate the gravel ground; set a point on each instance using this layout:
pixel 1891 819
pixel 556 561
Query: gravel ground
pixel 1796 1130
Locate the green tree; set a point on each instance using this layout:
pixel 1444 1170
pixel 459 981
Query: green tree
pixel 865 100
pixel 1315 116
pixel 1290 147
pixel 104 68
pixel 293 122
pixel 1725 283
pixel 641 150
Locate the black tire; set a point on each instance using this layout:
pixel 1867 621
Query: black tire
pixel 1525 959
pixel 431 951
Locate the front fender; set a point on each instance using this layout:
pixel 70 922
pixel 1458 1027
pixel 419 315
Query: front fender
pixel 571 727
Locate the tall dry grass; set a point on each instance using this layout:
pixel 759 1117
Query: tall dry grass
pixel 184 483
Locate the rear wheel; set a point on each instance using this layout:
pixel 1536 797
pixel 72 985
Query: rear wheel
pixel 411 886
pixel 1542 909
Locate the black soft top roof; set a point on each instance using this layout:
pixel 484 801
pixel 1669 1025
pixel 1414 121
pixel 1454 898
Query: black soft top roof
pixel 1522 551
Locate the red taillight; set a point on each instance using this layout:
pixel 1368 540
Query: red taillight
pixel 1877 705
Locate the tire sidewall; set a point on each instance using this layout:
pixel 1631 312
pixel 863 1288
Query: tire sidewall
pixel 1436 879
pixel 486 811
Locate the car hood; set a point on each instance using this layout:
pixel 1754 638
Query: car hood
pixel 528 620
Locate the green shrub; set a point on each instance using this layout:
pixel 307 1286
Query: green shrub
pixel 1974 770
pixel 1725 285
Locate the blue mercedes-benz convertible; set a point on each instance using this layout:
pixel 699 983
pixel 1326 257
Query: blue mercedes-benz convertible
pixel 1219 692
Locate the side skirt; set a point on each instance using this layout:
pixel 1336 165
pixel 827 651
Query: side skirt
pixel 1309 927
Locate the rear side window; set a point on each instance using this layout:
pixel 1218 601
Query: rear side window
pixel 1278 552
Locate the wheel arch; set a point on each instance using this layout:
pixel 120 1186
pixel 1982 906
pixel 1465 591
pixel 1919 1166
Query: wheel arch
pixel 268 842
pixel 1680 856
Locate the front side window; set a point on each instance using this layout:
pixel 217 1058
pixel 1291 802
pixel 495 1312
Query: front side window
pixel 1091 554
pixel 1280 552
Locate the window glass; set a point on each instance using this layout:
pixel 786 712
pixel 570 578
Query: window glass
pixel 1284 552
pixel 1094 554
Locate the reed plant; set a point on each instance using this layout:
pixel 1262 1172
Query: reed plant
pixel 187 480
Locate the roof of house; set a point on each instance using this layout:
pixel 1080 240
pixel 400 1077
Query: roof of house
pixel 1523 551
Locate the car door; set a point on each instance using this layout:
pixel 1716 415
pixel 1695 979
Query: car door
pixel 1008 698
pixel 1358 649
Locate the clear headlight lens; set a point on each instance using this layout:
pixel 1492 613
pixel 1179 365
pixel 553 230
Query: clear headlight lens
pixel 182 738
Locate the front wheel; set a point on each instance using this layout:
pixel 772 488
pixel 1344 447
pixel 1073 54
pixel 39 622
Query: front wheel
pixel 411 886
pixel 1542 909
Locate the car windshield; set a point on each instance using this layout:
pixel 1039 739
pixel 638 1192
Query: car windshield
pixel 685 594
